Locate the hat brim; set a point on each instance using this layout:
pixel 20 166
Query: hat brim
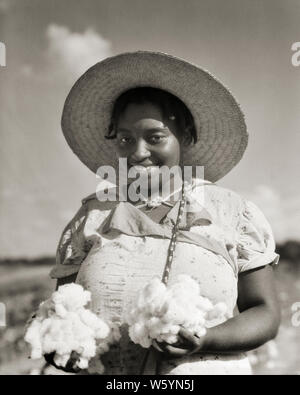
pixel 221 130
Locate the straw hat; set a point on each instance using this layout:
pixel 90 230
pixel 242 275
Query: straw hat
pixel 219 121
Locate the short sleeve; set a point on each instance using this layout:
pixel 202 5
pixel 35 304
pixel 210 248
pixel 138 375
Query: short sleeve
pixel 255 244
pixel 72 248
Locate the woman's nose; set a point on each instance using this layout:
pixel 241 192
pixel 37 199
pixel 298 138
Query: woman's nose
pixel 141 151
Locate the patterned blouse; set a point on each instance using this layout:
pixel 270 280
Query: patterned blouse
pixel 116 249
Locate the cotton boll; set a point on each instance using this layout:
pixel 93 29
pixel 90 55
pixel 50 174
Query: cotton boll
pixel 87 349
pixel 154 327
pixel 138 334
pixel 171 339
pixel 163 308
pixel 45 308
pixel 145 342
pixel 153 322
pixel 140 330
pixel 185 285
pixel 158 312
pixel 165 329
pixel 62 325
pixel 36 352
pixel 174 329
pixel 219 310
pixel 102 331
pixel 159 338
pixel 200 332
pixel 60 310
pixel 83 363
pixel 131 314
pixel 32 337
pixel 204 304
pixel 158 306
pixel 88 318
pixel 173 314
pixel 61 360
pixel 152 293
pixel 72 296
pixel 100 328
pixel 153 288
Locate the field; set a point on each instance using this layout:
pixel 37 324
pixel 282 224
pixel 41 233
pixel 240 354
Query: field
pixel 23 285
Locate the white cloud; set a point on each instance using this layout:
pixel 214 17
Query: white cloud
pixel 282 213
pixel 73 53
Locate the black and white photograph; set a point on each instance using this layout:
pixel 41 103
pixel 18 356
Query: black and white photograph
pixel 149 190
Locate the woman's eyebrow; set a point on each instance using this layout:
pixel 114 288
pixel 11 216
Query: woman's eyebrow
pixel 123 130
pixel 158 129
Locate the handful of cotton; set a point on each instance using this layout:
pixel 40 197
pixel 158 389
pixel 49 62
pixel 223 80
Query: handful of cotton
pixel 62 324
pixel 159 311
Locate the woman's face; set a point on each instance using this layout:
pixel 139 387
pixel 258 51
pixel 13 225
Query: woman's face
pixel 146 139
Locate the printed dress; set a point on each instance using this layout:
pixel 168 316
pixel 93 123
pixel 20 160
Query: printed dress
pixel 116 249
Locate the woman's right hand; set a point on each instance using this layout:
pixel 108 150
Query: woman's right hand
pixel 187 344
pixel 70 366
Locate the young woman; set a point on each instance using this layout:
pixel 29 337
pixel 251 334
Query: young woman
pixel 157 111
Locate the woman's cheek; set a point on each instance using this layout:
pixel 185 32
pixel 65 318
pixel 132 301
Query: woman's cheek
pixel 123 152
pixel 171 153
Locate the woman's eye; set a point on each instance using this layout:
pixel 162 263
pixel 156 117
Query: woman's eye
pixel 125 140
pixel 155 139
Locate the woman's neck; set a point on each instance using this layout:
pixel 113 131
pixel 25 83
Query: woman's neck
pixel 171 189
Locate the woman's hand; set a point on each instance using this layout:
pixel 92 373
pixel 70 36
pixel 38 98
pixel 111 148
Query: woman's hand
pixel 187 344
pixel 70 366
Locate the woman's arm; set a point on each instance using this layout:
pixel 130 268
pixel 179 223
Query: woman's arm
pixel 259 316
pixel 257 322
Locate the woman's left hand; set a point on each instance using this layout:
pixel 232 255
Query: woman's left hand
pixel 187 344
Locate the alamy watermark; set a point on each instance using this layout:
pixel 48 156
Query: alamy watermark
pixel 147 183
pixel 295 59
pixel 296 316
pixel 2 54
pixel 2 315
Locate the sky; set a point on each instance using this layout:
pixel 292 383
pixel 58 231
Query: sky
pixel 245 43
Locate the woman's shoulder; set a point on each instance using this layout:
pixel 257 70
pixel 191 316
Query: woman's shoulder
pixel 91 211
pixel 94 201
pixel 88 198
pixel 212 194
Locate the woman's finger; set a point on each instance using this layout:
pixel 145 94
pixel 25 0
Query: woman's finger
pixel 156 346
pixel 171 350
pixel 188 336
pixel 71 365
pixel 50 359
pixel 177 352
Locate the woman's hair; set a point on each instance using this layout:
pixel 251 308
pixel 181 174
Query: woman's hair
pixel 170 105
